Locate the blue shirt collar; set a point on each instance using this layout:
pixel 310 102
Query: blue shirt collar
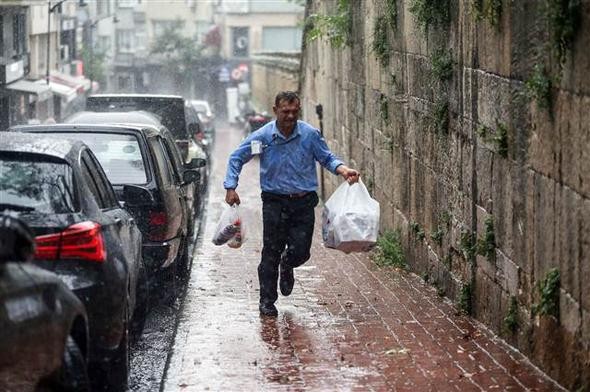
pixel 275 131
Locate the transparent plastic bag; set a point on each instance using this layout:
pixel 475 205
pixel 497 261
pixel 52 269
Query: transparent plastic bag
pixel 230 228
pixel 350 219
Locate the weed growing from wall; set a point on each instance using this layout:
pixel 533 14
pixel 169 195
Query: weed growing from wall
pixel 489 10
pixel 486 246
pixel 539 86
pixel 441 117
pixel 337 28
pixel 510 322
pixel 380 43
pixel 391 12
pixel 441 65
pixel 465 299
pixel 430 12
pixel 501 140
pixel 389 251
pixel 417 230
pixel 563 17
pixel 437 236
pixel 467 244
pixel 548 290
pixel 445 218
pixel 499 137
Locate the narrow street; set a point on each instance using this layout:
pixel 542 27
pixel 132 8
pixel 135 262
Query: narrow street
pixel 349 325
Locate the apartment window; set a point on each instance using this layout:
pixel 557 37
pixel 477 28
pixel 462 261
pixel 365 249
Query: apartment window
pixel 281 38
pixel 125 41
pixel 160 26
pixel 19 33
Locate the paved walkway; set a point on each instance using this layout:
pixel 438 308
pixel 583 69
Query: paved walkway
pixel 348 325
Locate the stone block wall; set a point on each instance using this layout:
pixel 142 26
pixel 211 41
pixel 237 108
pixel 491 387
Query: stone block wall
pixel 474 130
pixel 271 73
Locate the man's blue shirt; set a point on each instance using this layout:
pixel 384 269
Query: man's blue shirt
pixel 287 165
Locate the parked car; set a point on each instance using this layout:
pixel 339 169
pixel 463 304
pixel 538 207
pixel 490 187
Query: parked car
pixel 194 191
pixel 206 116
pixel 82 234
pixel 170 109
pixel 142 164
pixel 44 334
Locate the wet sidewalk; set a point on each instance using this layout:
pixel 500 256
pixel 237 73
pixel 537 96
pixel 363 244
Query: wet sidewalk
pixel 348 325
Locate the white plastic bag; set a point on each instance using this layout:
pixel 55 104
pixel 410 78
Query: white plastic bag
pixel 230 228
pixel 350 219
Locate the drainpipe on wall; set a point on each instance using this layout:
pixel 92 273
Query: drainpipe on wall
pixel 319 110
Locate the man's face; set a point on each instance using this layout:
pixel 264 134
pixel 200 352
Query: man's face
pixel 287 114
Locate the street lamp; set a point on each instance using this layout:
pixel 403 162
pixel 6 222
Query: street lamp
pixel 50 10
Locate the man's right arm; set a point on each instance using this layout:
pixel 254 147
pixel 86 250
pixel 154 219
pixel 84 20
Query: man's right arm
pixel 236 161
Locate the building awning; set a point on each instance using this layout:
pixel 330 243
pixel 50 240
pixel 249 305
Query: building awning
pixel 66 92
pixel 80 83
pixel 42 91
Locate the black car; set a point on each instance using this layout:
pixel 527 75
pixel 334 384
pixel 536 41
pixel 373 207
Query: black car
pixel 44 327
pixel 194 191
pixel 172 111
pixel 143 166
pixel 82 234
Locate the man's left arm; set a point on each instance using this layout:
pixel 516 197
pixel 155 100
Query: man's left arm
pixel 328 160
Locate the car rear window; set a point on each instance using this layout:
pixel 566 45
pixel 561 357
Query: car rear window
pixel 30 184
pixel 119 155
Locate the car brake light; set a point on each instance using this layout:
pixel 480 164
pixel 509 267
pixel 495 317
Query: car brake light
pixel 157 218
pixel 79 241
pixel 199 136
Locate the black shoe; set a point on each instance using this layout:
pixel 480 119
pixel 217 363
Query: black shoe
pixel 287 280
pixel 268 309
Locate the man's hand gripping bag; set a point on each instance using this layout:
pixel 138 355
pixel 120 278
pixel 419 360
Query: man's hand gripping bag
pixel 350 219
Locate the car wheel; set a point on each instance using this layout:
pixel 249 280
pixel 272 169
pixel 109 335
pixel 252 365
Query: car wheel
pixel 73 373
pixel 119 366
pixel 184 262
pixel 142 301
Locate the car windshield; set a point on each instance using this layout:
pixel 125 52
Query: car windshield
pixel 30 184
pixel 120 156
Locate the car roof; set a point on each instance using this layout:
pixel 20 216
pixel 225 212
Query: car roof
pixel 146 129
pixel 67 150
pixel 131 117
pixel 135 96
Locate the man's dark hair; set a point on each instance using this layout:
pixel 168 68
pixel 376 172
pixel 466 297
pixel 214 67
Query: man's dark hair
pixel 288 96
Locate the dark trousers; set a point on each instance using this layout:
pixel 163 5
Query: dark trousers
pixel 287 224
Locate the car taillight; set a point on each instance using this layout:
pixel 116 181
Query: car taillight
pixel 79 241
pixel 199 136
pixel 157 218
pixel 158 226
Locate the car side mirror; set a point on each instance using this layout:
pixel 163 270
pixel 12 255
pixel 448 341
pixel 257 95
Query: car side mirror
pixel 134 195
pixel 196 163
pixel 191 176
